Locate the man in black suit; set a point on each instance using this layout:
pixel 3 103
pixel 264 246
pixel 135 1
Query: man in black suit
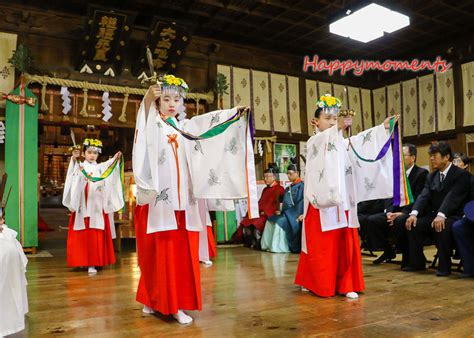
pixel 381 227
pixel 463 229
pixel 435 210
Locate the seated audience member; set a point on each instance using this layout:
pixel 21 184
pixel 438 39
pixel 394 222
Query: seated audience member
pixel 461 160
pixel 269 203
pixel 387 228
pixel 463 229
pixel 436 209
pixel 283 230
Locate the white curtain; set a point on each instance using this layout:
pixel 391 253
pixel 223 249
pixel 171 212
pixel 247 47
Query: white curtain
pixel 468 92
pixel 410 108
pixel 426 104
pixel 380 107
pixel 311 99
pixel 7 72
pixel 445 100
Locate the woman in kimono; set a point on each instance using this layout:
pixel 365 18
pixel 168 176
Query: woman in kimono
pixel 283 230
pixel 336 180
pixel 251 229
pixel 176 164
pixel 92 192
pixel 13 296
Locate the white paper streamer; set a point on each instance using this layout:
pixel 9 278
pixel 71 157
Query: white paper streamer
pixel 107 109
pixel 66 100
pixel 260 148
pixel 2 132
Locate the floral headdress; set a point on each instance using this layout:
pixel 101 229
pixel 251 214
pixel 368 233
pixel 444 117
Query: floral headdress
pixel 93 144
pixel 171 82
pixel 329 104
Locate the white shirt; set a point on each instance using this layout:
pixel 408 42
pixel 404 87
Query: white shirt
pixel 408 171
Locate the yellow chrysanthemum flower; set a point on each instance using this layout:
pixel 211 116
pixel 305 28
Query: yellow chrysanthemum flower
pixel 171 80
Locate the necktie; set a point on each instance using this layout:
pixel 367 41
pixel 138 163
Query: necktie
pixel 442 176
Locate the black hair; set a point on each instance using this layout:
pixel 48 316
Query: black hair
pixel 293 164
pixel 293 167
pixel 441 147
pixel 463 157
pixel 317 112
pixel 411 148
pixel 270 170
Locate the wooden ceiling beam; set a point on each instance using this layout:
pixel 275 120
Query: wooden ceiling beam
pixel 292 7
pixel 457 9
pixel 298 23
pixel 256 13
pixel 406 7
pixel 288 27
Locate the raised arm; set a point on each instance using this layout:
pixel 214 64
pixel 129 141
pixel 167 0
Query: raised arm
pixel 152 95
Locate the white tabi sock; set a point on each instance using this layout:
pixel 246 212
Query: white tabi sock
pixel 183 318
pixel 92 270
pixel 207 263
pixel 147 310
pixel 352 295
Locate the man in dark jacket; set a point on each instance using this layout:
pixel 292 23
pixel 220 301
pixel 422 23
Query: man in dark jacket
pixel 435 210
pixel 390 224
pixel 463 229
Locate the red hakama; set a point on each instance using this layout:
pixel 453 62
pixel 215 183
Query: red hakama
pixel 333 263
pixel 90 247
pixel 211 243
pixel 169 265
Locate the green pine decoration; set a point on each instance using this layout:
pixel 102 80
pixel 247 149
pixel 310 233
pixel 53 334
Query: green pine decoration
pixel 221 84
pixel 20 59
pixel 221 88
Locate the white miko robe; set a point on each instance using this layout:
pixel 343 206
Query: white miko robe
pixel 13 296
pixel 172 172
pixel 103 196
pixel 336 180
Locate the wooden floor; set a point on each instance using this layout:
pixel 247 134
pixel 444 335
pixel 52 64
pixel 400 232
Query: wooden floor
pixel 246 293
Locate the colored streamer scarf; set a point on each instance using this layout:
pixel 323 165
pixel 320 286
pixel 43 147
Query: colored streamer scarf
pixel 107 173
pixel 216 130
